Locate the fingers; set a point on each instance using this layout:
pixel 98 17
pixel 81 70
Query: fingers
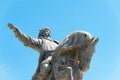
pixel 11 27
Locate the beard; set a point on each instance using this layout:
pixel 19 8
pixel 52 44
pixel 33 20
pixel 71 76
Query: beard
pixel 46 35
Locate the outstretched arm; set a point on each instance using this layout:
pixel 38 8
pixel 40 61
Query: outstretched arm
pixel 25 39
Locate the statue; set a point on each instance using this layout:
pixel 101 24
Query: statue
pixel 44 45
pixel 65 61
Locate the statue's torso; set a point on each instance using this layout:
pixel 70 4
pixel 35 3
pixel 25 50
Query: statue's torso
pixel 48 46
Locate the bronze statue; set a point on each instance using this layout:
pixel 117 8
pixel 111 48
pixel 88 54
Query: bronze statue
pixel 65 61
pixel 44 45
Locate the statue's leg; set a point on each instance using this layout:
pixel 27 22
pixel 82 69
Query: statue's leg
pixel 44 71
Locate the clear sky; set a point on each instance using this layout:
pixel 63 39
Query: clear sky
pixel 99 17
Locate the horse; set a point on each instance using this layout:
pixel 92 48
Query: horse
pixel 73 56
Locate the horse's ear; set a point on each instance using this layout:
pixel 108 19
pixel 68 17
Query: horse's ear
pixel 95 41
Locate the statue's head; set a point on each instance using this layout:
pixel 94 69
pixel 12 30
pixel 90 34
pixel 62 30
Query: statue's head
pixel 44 33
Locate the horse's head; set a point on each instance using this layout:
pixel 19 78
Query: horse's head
pixel 86 51
pixel 82 41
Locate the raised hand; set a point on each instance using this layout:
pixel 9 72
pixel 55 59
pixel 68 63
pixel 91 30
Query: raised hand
pixel 12 27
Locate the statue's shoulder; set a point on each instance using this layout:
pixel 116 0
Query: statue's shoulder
pixel 43 39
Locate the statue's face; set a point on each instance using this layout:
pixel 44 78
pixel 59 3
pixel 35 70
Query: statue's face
pixel 46 33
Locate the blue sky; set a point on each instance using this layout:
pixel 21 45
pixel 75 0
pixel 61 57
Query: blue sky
pixel 99 17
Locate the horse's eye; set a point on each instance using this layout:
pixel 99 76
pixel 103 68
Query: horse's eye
pixel 85 35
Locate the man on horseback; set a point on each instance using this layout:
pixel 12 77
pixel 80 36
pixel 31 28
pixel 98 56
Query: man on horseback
pixel 44 45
